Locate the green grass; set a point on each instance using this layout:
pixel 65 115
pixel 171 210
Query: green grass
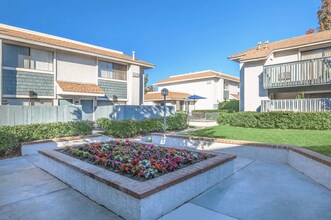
pixel 315 140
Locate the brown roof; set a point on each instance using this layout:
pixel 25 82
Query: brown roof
pixel 156 96
pixel 80 87
pixel 263 53
pixel 38 37
pixel 236 96
pixel 198 75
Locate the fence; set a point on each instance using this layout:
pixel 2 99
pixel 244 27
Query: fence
pixel 21 115
pixel 299 105
pixel 204 116
pixel 138 112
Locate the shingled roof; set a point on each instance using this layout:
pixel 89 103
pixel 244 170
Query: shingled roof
pixel 263 53
pixel 79 87
pixel 197 75
pixel 157 96
pixel 66 43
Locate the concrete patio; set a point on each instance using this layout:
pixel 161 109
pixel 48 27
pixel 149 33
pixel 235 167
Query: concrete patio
pixel 257 190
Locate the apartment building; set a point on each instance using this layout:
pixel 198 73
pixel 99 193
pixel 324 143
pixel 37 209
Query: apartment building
pixel 292 74
pixel 214 86
pixel 41 69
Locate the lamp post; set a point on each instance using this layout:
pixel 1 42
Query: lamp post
pixel 164 92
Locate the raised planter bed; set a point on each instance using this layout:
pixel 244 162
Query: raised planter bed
pixel 130 196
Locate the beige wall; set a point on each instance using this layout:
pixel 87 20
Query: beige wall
pixel 134 81
pixel 252 86
pixel 203 87
pixel 74 67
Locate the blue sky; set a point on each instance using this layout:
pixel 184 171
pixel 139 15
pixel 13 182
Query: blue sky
pixel 178 36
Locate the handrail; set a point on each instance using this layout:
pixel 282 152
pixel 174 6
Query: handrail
pixel 298 105
pixel 298 73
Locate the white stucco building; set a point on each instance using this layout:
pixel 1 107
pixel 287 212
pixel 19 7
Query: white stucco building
pixel 214 86
pixel 291 74
pixel 42 69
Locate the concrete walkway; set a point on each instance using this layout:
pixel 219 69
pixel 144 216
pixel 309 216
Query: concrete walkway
pixel 257 190
pixel 260 190
pixel 27 192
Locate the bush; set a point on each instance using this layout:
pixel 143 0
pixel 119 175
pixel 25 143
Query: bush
pixel 282 120
pixel 229 106
pixel 103 122
pixel 12 136
pixel 130 128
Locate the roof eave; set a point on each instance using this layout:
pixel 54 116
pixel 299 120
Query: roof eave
pixel 27 41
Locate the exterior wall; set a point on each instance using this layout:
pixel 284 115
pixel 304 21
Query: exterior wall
pixel 134 80
pixel 283 57
pixel 233 87
pixel 78 68
pixel 252 91
pixel 251 80
pixel 113 87
pixel 71 67
pixel 19 83
pixel 202 87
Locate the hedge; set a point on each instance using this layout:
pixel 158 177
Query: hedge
pixel 282 120
pixel 12 136
pixel 130 128
pixel 229 106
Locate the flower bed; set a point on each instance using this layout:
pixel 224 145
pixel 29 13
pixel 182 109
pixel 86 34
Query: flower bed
pixel 136 160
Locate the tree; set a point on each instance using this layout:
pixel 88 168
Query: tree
pixel 149 88
pixel 324 16
pixel 310 31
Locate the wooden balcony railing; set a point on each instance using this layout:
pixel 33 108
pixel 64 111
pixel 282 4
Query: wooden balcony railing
pixel 300 73
pixel 297 105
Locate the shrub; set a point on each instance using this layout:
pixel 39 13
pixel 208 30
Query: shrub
pixel 12 136
pixel 130 128
pixel 282 120
pixel 229 106
pixel 103 122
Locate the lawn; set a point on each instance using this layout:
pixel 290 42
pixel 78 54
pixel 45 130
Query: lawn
pixel 318 141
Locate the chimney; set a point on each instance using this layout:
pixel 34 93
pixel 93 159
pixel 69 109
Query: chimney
pixel 259 45
pixel 266 44
pixel 133 55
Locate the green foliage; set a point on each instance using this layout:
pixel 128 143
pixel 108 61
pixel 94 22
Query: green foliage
pixel 315 140
pixel 103 122
pixel 12 136
pixel 229 106
pixel 324 15
pixel 301 95
pixel 130 128
pixel 282 120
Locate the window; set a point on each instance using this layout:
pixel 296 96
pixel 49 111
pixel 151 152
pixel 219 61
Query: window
pixel 112 70
pixel 314 54
pixel 27 58
pixel 226 85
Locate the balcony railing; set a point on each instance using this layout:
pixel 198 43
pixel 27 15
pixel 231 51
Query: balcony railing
pixel 300 73
pixel 297 105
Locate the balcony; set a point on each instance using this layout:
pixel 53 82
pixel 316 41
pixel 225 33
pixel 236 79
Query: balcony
pixel 297 105
pixel 295 74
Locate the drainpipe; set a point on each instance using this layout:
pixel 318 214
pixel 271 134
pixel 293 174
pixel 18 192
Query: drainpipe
pixel 1 72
